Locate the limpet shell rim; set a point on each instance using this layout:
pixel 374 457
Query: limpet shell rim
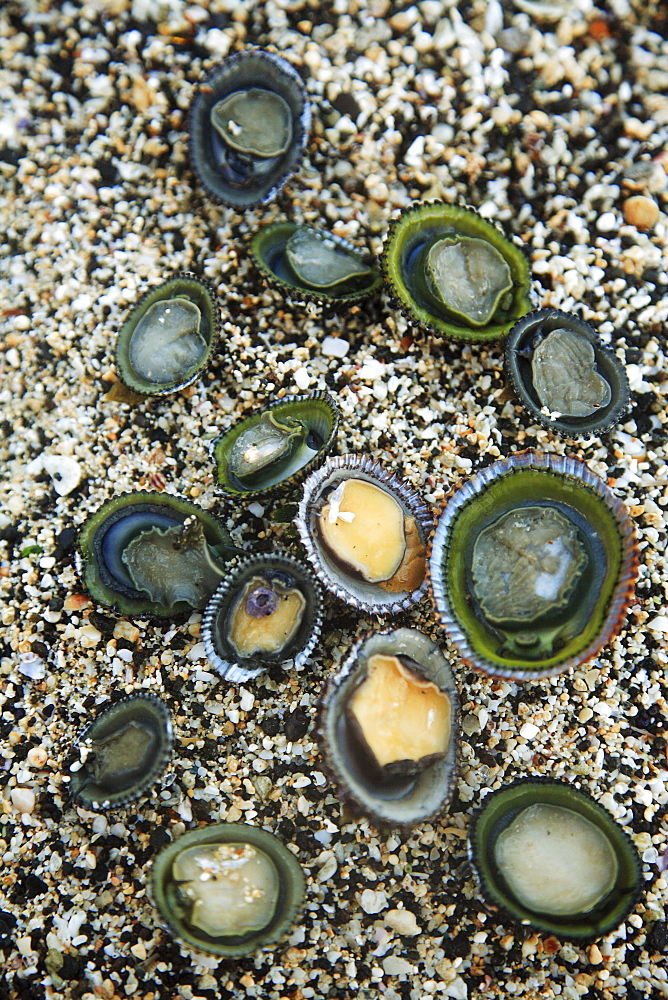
pixel 290 872
pixel 156 707
pixel 338 681
pixel 305 293
pixel 291 481
pixel 574 427
pixel 293 157
pixel 466 490
pixel 407 497
pixel 420 317
pixel 123 370
pixel 502 901
pixel 232 670
pixel 86 563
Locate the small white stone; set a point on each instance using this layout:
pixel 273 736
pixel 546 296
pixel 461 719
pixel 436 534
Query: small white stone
pixel 403 922
pixel 393 966
pixel 529 731
pixel 37 757
pixel 659 624
pixel 23 799
pixel 256 509
pixel 65 472
pixel 335 347
pixel 302 379
pixel 373 902
pixel 607 222
pixel 246 700
pixel 327 869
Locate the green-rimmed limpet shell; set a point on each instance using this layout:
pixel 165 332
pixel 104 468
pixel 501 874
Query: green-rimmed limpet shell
pixel 152 554
pixel 167 339
pixel 122 752
pixel 276 446
pixel 365 531
pixel 317 264
pixel 389 728
pixel 564 376
pixel 249 126
pixel 228 888
pixel 267 611
pixel 532 566
pixel 454 273
pixel 551 857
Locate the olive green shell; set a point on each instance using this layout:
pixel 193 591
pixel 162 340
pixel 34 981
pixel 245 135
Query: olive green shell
pixel 500 807
pixel 184 285
pixel 292 886
pixel 414 229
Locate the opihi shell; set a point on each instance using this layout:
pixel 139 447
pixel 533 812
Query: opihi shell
pixel 276 446
pixel 168 338
pixel 454 273
pixel 365 532
pixel 249 125
pixel 550 856
pixel 532 566
pixel 152 554
pixel 563 375
pixel 389 728
pixel 123 752
pixel 267 611
pixel 317 264
pixel 228 888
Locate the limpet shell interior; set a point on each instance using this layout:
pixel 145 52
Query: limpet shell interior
pixel 175 907
pixel 501 808
pixel 350 587
pixel 568 365
pixel 568 628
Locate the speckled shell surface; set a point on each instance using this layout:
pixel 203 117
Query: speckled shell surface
pixel 555 480
pixel 219 650
pixel 292 887
pixel 519 349
pixel 401 804
pixel 501 806
pixel 243 70
pixel 354 591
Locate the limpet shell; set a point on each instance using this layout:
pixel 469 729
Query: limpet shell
pixel 594 834
pixel 176 899
pixel 558 557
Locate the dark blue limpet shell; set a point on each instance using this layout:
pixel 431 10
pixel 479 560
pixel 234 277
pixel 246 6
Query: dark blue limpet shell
pixel 550 857
pixel 454 273
pixel 228 888
pixel 168 338
pixel 152 555
pixel 396 765
pixel 532 566
pixel 319 265
pixel 275 448
pixel 267 611
pixel 123 752
pixel 249 125
pixel 564 376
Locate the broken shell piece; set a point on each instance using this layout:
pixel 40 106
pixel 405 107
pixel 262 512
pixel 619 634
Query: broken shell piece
pixel 365 533
pixel 227 888
pixel 389 728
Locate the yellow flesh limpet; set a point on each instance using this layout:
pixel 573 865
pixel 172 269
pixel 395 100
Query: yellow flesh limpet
pixel 362 525
pixel 269 633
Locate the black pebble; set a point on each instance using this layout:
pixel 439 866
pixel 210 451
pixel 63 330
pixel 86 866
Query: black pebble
pixel 271 725
pixel 296 725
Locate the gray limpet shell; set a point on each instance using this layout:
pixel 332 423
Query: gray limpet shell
pixel 402 802
pixel 242 180
pixel 526 337
pixel 269 251
pixel 291 889
pixel 499 809
pixel 127 748
pixel 349 587
pixel 191 293
pixel 289 574
pixel 319 415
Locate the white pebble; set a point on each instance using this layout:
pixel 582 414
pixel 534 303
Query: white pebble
pixel 394 966
pixel 373 902
pixel 607 222
pixel 335 347
pixel 327 869
pixel 65 472
pixel 659 624
pixel 302 379
pixel 403 922
pixel 246 700
pixel 23 799
pixel 37 757
pixel 256 509
pixel 529 731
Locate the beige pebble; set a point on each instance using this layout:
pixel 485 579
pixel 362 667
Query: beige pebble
pixel 23 799
pixel 641 212
pixel 403 922
pixel 37 757
pixel 139 950
pixel 595 956
pixel 126 630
